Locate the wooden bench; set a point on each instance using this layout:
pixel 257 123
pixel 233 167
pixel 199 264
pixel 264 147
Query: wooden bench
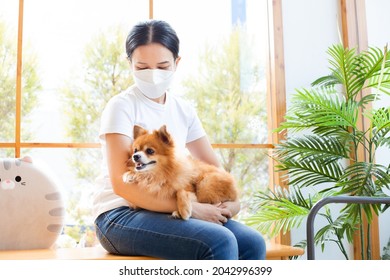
pixel 274 252
pixel 282 252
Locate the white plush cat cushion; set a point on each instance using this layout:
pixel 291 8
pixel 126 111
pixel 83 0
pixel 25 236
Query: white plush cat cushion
pixel 31 206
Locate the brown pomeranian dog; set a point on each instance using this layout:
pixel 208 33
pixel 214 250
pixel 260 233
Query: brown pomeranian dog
pixel 155 165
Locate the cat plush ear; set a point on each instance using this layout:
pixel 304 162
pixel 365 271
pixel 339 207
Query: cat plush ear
pixel 165 136
pixel 27 159
pixel 138 131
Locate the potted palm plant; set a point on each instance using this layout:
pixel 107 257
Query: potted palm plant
pixel 322 154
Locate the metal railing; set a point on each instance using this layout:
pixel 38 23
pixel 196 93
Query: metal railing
pixel 334 199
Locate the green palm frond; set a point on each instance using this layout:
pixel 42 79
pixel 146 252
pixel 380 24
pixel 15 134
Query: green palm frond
pixel 343 64
pixel 367 99
pixel 310 147
pixel 328 81
pixel 343 134
pixel 379 77
pixel 380 193
pixel 279 211
pixel 307 173
pixel 342 225
pixel 335 231
pixel 370 62
pixel 380 119
pixel 369 69
pixel 382 82
pixel 353 212
pixel 314 108
pixel 362 178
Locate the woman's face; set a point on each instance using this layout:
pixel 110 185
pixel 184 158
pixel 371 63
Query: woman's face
pixel 153 56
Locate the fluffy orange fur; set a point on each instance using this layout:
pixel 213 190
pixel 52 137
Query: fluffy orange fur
pixel 155 165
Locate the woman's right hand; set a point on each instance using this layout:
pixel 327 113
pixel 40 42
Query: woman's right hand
pixel 210 212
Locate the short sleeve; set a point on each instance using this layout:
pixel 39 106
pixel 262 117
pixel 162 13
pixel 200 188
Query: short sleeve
pixel 116 117
pixel 195 128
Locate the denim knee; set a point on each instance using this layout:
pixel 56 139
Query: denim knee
pixel 251 243
pixel 256 250
pixel 223 246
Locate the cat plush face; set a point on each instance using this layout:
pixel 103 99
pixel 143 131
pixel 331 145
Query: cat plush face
pixel 13 179
pixel 32 210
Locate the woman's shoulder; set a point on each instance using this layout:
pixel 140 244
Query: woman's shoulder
pixel 180 101
pixel 123 98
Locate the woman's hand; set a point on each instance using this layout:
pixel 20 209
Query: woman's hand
pixel 233 206
pixel 215 213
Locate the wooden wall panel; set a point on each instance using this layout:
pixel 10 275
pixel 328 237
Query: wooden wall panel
pixel 354 35
pixel 276 91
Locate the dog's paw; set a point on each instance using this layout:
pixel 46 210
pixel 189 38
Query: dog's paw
pixel 185 214
pixel 127 177
pixel 176 215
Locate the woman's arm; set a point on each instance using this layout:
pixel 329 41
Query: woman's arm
pixel 202 150
pixel 118 150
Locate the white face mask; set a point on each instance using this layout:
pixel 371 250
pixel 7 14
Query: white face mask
pixel 153 83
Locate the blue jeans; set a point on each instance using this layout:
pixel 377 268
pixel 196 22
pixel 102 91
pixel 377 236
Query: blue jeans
pixel 128 231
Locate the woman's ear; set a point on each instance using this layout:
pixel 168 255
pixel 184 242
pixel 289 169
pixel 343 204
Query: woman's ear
pixel 129 61
pixel 177 60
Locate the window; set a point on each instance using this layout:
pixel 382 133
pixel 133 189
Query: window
pixel 74 61
pixel 8 55
pixel 222 71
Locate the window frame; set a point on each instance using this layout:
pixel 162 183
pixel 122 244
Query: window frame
pixel 17 145
pixel 276 96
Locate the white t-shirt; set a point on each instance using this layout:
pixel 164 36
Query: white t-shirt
pixel 130 108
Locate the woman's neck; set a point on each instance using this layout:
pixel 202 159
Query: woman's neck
pixel 160 100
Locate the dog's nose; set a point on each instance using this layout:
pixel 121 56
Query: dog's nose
pixel 136 157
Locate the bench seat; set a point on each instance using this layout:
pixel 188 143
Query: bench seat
pixel 274 252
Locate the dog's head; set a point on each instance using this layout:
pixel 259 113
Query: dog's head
pixel 153 150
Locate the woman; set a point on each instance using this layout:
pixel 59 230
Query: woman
pixel 152 48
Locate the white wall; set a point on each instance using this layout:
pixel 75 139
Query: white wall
pixel 309 28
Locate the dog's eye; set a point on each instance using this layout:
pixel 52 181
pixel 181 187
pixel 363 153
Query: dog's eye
pixel 149 151
pixel 135 150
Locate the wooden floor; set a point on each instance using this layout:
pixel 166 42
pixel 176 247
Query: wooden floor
pixel 274 252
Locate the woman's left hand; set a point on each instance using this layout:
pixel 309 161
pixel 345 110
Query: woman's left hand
pixel 210 212
pixel 233 207
pixel 215 213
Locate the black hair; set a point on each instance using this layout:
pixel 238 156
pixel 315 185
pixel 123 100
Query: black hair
pixel 152 31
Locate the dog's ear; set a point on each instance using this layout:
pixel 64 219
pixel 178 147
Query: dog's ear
pixel 138 131
pixel 165 136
